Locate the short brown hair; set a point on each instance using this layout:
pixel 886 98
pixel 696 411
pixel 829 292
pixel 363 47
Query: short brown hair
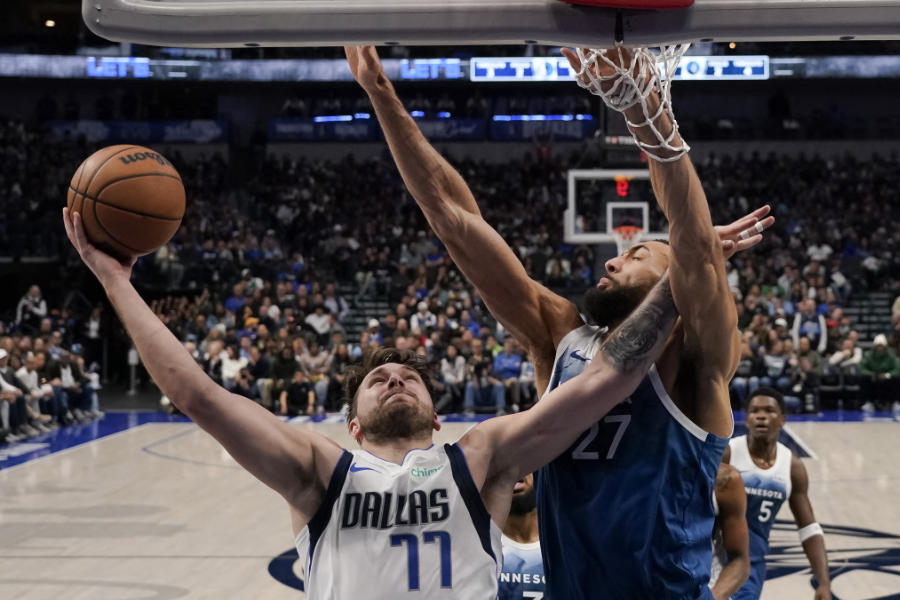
pixel 356 373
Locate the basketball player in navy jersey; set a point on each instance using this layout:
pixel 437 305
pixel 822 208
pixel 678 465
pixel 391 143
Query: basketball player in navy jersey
pixel 399 517
pixel 773 474
pixel 731 541
pixel 626 511
pixel 522 577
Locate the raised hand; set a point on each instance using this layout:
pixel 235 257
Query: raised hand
pixel 746 232
pixel 104 266
pixel 365 66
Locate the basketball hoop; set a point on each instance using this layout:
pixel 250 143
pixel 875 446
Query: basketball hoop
pixel 626 236
pixel 635 74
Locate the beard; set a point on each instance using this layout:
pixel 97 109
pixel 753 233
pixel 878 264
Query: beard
pixel 610 306
pixel 397 420
pixel 523 503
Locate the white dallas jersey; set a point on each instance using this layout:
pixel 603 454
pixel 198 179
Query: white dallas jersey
pixel 418 529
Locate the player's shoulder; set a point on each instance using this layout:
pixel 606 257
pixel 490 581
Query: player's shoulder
pixel 738 439
pixel 559 315
pixel 726 477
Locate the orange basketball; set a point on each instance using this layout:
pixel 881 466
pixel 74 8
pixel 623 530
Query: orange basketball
pixel 130 198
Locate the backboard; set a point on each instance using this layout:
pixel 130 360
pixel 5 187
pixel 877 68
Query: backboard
pixel 599 200
pixel 237 23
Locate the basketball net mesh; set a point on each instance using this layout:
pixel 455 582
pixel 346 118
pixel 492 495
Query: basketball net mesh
pixel 626 236
pixel 635 73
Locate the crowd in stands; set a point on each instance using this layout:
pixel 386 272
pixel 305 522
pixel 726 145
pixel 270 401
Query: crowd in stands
pixel 48 369
pixel 261 279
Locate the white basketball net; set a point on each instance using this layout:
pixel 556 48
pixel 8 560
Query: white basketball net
pixel 636 73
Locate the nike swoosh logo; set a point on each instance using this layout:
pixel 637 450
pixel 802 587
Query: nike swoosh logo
pixel 577 356
pixel 355 469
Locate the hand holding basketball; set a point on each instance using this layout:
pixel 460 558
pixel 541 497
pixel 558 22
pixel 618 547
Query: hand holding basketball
pixel 130 198
pixel 104 266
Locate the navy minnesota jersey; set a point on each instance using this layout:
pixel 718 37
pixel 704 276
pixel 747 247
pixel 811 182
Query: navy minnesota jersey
pixel 626 512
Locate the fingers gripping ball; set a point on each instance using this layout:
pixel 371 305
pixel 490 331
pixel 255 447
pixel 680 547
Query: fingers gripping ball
pixel 130 198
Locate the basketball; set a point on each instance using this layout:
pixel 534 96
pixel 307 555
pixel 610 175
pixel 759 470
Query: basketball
pixel 131 199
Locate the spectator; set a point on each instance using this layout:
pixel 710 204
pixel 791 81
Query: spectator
pixel 298 398
pixel 807 372
pixel 453 375
pixel 335 303
pixel 315 363
pixel 811 325
pixel 881 368
pixel 747 375
pixel 482 387
pixel 259 369
pixel 507 368
pixel 49 402
pixel 32 308
pixel 77 388
pixel 527 384
pixel 232 363
pixel 776 366
pixel 422 319
pixel 27 405
pixel 320 322
pixel 283 369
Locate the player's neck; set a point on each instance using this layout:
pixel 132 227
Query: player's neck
pixel 762 448
pixel 396 450
pixel 522 528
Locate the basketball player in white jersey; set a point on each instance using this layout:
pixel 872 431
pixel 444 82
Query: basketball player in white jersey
pixel 399 517
pixel 772 474
pixel 731 541
pixel 683 404
pixel 522 577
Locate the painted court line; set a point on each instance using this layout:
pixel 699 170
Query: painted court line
pixel 800 442
pixel 70 449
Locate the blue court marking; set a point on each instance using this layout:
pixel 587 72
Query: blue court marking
pixel 76 435
pixel 116 422
pixel 149 450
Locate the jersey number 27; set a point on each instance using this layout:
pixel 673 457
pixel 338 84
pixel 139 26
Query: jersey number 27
pixel 621 423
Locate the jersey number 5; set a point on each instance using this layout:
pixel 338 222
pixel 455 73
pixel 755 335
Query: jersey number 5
pixel 765 510
pixel 582 453
pixel 412 553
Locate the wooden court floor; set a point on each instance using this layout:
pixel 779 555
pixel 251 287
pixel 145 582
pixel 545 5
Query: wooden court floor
pixel 160 511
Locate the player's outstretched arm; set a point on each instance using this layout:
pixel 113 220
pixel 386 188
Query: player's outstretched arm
pixel 697 266
pixel 505 449
pixel 732 501
pixel 536 316
pixel 294 463
pixel 811 535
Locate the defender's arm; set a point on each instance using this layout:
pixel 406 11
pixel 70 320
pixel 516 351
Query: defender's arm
pixel 811 535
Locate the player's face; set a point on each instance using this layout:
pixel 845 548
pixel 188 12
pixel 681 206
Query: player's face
pixel 628 279
pixel 393 403
pixel 523 501
pixel 764 418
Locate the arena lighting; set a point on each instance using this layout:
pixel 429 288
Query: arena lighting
pixel 49 23
pixel 417 114
pixel 569 117
pixel 443 115
pixel 362 116
pixel 333 119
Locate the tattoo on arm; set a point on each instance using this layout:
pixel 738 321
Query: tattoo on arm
pixel 638 341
